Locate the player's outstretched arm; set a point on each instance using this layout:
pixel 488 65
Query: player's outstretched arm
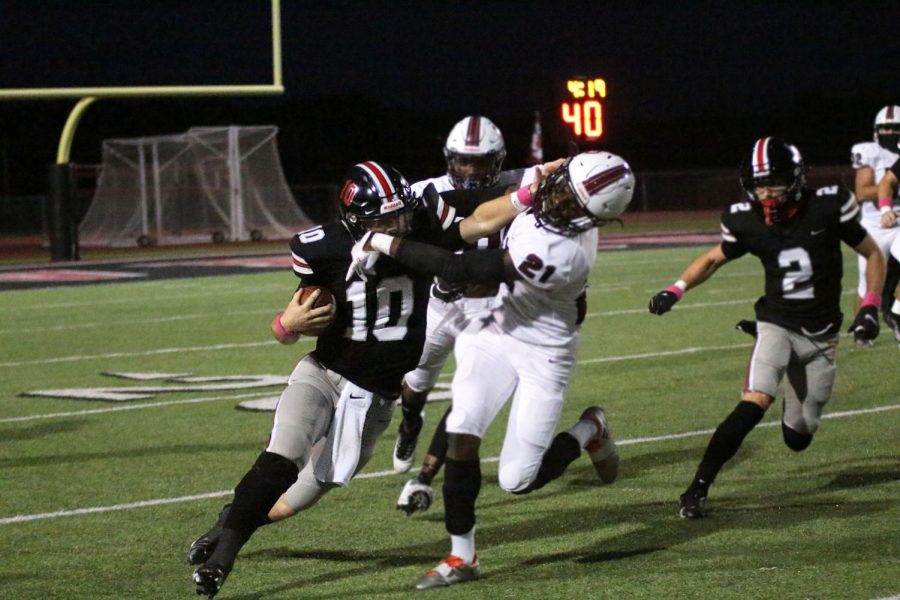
pixel 701 269
pixel 875 265
pixel 493 215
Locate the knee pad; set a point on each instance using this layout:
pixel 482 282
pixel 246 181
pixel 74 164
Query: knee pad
pixel 798 442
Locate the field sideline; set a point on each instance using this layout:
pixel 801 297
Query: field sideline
pixel 100 499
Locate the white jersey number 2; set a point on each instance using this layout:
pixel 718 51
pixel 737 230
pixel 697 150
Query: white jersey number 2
pixel 796 284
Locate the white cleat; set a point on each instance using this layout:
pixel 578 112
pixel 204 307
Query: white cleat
pixel 415 497
pixel 449 571
pixel 601 447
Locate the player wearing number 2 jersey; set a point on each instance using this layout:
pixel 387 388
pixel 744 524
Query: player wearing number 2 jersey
pixel 524 347
pixel 340 397
pixel 796 234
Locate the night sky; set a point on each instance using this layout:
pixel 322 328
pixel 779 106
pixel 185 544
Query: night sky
pixel 690 84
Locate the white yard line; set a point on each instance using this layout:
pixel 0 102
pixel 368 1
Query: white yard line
pixel 47 361
pixel 112 409
pixel 224 493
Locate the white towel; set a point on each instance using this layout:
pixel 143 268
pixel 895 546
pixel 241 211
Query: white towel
pixel 340 457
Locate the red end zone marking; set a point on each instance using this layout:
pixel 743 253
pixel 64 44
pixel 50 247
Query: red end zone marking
pixel 66 275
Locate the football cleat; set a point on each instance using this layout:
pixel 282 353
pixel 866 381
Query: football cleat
pixel 202 548
pixel 415 497
pixel 859 337
pixel 405 448
pixel 209 580
pixel 449 571
pixel 601 447
pixel 692 505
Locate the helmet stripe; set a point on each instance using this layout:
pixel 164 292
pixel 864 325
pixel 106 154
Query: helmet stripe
pixel 595 183
pixel 890 113
pixel 383 183
pixel 761 157
pixel 473 133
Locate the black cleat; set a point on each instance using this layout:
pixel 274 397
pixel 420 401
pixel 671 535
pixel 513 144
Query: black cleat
pixel 202 548
pixel 692 505
pixel 209 580
pixel 405 448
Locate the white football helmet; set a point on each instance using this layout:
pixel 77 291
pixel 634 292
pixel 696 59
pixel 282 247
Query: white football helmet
pixel 589 190
pixel 474 151
pixel 887 127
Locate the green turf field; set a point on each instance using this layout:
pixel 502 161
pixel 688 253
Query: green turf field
pixel 823 524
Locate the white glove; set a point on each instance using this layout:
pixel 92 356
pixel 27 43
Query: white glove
pixel 362 261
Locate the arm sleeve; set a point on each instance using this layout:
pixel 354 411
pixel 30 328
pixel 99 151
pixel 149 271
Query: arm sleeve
pixel 466 201
pixel 478 265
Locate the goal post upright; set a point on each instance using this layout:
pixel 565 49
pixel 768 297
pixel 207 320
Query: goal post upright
pixel 62 229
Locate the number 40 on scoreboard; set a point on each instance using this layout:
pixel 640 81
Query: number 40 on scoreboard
pixel 582 110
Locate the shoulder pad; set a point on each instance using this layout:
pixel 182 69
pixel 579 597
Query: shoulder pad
pixel 863 154
pixel 315 244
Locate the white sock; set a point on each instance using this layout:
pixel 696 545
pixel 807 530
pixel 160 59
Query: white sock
pixel 463 546
pixel 895 308
pixel 582 431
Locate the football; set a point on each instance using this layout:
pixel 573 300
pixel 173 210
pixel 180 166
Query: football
pixel 325 297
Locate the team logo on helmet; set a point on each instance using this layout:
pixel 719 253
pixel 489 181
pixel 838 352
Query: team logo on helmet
pixel 348 192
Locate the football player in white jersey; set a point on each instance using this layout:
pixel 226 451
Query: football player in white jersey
pixel 474 152
pixel 887 194
pixel 524 347
pixel 871 160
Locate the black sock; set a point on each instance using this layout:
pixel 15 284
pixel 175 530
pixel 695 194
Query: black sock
pixel 462 482
pixel 725 442
pixel 270 476
pixel 559 455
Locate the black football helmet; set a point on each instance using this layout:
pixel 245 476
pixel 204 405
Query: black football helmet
pixel 774 163
pixel 376 197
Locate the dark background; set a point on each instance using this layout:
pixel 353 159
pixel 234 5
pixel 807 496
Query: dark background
pixel 690 84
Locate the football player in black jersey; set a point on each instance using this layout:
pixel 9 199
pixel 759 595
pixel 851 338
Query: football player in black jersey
pixel 796 233
pixel 340 397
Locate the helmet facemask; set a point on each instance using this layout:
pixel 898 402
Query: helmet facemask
pixel 557 209
pixel 775 166
pixel 473 171
pixel 888 136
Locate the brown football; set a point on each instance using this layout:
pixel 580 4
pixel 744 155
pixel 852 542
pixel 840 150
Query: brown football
pixel 325 297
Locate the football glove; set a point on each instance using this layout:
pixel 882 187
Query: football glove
pixel 362 261
pixel 748 327
pixel 662 302
pixel 865 326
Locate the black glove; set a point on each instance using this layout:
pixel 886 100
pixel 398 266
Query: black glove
pixel 662 302
pixel 748 327
pixel 865 326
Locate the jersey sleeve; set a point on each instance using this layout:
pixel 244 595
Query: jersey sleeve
pixel 732 247
pixel 861 156
pixel 441 208
pixel 852 233
pixel 301 266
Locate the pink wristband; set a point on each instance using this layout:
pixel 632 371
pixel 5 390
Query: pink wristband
pixel 280 328
pixel 675 290
pixel 885 202
pixel 524 196
pixel 871 299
